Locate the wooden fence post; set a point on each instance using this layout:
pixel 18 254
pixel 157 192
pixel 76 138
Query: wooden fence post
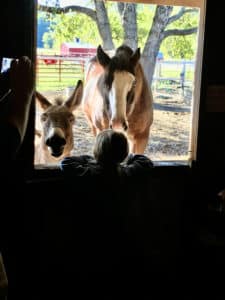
pixel 182 77
pixel 60 62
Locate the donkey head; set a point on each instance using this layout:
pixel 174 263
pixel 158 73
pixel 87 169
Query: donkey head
pixel 57 124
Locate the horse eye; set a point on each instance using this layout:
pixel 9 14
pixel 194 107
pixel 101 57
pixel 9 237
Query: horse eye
pixel 134 83
pixel 44 117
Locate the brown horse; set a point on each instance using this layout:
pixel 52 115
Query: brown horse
pixel 56 138
pixel 117 95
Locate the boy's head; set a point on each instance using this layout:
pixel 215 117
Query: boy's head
pixel 111 147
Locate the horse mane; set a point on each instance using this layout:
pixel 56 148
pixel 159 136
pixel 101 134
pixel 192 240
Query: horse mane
pixel 110 53
pixel 124 49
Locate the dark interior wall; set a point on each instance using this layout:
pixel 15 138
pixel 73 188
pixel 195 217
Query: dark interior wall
pixel 211 139
pixel 95 231
pixel 210 164
pixel 17 25
pixel 213 58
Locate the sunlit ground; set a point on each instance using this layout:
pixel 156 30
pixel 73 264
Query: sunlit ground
pixel 169 138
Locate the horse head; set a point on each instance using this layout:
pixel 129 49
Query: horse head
pixel 117 83
pixel 117 95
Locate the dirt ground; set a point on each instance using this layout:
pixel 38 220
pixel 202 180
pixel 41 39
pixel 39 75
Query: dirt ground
pixel 169 138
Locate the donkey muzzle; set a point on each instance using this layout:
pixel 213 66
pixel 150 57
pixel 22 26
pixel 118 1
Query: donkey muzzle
pixel 56 143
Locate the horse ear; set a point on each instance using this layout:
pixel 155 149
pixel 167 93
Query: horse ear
pixel 75 99
pixel 102 57
pixel 44 103
pixel 135 57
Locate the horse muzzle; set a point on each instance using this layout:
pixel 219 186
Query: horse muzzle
pixel 119 125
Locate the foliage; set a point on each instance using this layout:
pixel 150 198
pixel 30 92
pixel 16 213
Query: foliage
pixel 69 26
pixel 66 27
pixel 181 47
pixel 115 24
pixel 145 14
pixel 47 39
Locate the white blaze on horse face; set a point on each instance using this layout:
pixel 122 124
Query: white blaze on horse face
pixel 121 85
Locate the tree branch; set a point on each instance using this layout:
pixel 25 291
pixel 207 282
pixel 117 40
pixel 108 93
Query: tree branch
pixel 58 10
pixel 120 6
pixel 181 13
pixel 179 32
pixel 103 24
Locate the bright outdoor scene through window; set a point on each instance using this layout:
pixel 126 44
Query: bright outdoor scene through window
pixel 68 34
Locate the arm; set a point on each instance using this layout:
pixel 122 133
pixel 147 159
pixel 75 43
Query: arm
pixel 22 84
pixel 83 165
pixel 137 164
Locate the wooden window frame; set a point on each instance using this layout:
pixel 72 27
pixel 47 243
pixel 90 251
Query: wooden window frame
pixel 196 92
pixel 190 3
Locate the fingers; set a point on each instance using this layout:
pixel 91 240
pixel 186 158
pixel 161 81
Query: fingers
pixel 22 65
pixel 221 194
pixel 13 64
pixel 21 75
pixel 12 72
pixel 24 62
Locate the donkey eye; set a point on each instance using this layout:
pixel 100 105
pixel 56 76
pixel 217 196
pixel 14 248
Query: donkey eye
pixel 44 117
pixel 71 119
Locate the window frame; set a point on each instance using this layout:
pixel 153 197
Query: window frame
pixel 193 140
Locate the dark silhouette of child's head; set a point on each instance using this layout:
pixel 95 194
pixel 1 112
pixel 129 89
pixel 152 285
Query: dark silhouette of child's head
pixel 111 148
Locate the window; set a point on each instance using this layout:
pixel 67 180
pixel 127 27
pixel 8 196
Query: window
pixel 66 42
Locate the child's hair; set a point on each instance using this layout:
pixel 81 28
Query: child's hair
pixel 111 147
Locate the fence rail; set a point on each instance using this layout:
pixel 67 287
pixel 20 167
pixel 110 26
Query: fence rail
pixel 181 71
pixel 59 72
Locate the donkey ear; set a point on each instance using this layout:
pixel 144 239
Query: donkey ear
pixel 135 57
pixel 44 103
pixel 102 57
pixel 75 99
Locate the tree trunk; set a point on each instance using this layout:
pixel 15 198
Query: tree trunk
pixel 104 25
pixel 155 37
pixel 129 21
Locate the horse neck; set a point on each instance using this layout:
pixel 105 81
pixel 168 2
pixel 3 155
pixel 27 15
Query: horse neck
pixel 141 86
